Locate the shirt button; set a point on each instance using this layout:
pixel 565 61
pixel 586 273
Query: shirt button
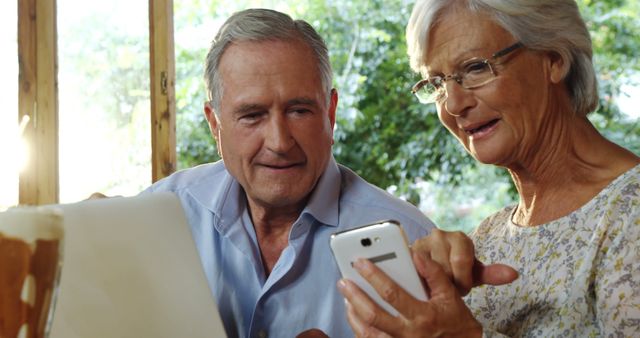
pixel 262 333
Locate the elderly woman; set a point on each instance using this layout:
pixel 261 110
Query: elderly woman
pixel 513 81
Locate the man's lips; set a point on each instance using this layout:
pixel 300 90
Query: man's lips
pixel 280 166
pixel 480 127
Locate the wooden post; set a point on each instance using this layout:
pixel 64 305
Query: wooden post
pixel 38 99
pixel 163 103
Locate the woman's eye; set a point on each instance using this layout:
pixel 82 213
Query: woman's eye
pixel 436 82
pixel 476 67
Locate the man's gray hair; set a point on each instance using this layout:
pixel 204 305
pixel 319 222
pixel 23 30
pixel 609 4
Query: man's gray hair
pixel 259 25
pixel 542 25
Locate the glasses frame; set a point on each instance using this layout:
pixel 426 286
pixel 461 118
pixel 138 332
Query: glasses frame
pixel 458 78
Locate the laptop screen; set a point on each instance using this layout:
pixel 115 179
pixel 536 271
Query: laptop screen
pixel 131 269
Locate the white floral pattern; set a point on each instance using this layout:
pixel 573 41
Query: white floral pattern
pixel 579 275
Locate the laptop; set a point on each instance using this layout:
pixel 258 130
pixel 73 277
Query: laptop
pixel 131 269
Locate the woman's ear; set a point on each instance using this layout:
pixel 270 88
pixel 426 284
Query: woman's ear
pixel 558 67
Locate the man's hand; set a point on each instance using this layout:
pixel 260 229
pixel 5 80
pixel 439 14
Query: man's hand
pixel 455 253
pixel 97 196
pixel 312 333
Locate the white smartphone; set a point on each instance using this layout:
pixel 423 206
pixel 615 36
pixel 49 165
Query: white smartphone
pixel 384 244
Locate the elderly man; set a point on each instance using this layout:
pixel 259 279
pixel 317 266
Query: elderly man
pixel 262 217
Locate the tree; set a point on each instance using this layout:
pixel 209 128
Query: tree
pixel 104 100
pixel 390 139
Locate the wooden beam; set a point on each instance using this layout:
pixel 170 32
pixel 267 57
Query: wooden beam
pixel 38 99
pixel 163 102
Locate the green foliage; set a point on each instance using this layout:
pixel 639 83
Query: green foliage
pixel 193 139
pixel 394 141
pixel 104 102
pixel 615 31
pixel 385 134
pixel 389 138
pixel 112 64
pixel 382 132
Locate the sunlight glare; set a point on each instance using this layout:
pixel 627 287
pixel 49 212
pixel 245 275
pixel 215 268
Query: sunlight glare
pixel 629 99
pixel 14 148
pixel 11 146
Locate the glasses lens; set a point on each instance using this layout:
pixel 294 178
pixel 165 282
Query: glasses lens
pixel 476 74
pixel 426 92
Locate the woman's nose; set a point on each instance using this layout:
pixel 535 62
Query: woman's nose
pixel 457 99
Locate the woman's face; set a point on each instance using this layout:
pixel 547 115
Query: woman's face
pixel 502 122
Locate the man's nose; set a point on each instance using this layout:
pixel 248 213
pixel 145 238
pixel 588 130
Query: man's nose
pixel 278 136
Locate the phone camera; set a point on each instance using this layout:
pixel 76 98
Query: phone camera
pixel 365 241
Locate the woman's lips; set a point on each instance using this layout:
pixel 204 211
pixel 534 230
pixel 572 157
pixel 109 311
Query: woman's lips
pixel 482 130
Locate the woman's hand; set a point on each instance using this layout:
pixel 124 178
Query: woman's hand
pixel 444 314
pixel 455 253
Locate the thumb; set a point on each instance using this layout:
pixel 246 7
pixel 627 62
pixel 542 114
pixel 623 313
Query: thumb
pixel 437 281
pixel 312 333
pixel 493 274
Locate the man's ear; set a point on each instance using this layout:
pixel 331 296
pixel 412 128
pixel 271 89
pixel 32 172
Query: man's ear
pixel 333 106
pixel 214 124
pixel 212 119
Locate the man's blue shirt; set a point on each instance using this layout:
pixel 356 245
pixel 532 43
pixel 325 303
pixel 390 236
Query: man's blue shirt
pixel 300 293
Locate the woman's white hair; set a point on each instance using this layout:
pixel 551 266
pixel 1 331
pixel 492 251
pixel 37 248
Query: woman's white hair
pixel 542 25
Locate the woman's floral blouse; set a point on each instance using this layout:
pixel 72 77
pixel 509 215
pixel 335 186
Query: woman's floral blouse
pixel 579 275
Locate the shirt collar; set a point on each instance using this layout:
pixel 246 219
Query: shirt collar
pixel 222 195
pixel 324 202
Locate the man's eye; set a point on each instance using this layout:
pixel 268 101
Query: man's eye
pixel 251 117
pixel 299 111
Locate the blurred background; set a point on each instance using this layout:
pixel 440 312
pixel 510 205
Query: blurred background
pixel 382 132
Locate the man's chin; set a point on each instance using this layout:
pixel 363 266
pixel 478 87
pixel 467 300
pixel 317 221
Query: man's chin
pixel 283 199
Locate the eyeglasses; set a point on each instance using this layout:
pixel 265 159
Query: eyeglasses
pixel 473 74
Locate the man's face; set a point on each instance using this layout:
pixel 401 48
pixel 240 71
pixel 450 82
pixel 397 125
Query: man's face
pixel 274 129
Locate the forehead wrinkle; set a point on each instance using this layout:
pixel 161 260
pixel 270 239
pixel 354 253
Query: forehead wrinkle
pixel 252 107
pixel 460 52
pixel 303 101
pixel 460 45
